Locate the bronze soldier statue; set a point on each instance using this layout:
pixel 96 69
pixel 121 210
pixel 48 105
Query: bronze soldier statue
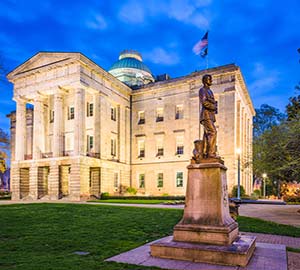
pixel 207 117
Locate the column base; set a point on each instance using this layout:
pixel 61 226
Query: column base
pixel 236 254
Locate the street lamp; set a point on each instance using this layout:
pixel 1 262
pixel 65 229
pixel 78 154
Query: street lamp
pixel 264 175
pixel 238 151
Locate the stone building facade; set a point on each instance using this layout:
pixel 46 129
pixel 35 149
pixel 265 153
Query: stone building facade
pixel 89 132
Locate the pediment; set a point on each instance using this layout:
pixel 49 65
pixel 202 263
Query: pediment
pixel 41 60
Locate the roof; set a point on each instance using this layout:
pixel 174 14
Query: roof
pixel 130 62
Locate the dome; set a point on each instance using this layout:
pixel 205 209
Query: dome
pixel 131 70
pixel 130 62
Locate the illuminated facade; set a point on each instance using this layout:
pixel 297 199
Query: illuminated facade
pixel 89 132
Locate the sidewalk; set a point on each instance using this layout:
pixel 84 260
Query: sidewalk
pixel 284 214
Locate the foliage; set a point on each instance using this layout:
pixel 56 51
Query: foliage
pixel 276 151
pixel 291 192
pixel 131 190
pixel 293 108
pixel 235 189
pixel 256 194
pixel 265 118
pixel 104 195
pixel 4 147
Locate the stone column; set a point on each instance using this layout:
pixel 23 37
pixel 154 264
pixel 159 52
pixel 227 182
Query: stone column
pixel 53 182
pixel 79 123
pixel 33 182
pixel 97 124
pixel 38 129
pixel 74 183
pixel 57 146
pixel 15 182
pixel 20 130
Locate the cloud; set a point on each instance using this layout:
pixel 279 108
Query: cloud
pixel 132 12
pixel 186 11
pixel 264 80
pixel 160 56
pixel 97 22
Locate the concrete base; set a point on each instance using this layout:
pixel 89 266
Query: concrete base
pixel 238 253
pixel 265 257
pixel 222 235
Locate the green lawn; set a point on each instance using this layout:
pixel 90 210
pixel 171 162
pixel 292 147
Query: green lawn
pixel 45 236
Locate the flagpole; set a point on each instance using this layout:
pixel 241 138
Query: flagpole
pixel 207 62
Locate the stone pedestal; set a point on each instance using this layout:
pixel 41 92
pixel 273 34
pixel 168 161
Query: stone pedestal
pixel 207 233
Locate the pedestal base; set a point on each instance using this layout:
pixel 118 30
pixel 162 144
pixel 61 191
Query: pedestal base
pixel 206 234
pixel 238 253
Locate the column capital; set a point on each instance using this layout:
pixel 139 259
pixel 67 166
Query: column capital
pixel 19 99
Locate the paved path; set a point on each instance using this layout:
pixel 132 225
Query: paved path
pixel 284 214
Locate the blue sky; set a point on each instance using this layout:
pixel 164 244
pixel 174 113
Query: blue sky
pixel 260 36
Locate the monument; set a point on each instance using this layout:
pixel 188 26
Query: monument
pixel 206 232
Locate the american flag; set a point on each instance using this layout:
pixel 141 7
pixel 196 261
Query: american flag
pixel 201 47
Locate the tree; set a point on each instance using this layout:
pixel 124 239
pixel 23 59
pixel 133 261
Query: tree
pixel 293 108
pixel 4 147
pixel 266 117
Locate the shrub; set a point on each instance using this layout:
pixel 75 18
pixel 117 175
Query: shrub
pixel 256 194
pixel 104 196
pixel 131 190
pixel 234 191
pixel 291 198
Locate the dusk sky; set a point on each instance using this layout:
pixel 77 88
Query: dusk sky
pixel 260 36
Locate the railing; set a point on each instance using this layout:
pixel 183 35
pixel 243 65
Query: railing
pixel 92 154
pixel 47 155
pixel 27 157
pixel 68 153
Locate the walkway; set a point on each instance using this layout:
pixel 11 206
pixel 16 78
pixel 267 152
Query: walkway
pixel 284 214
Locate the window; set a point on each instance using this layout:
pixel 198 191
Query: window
pixel 142 180
pixel 179 145
pixel 141 148
pixel 90 109
pixel 113 113
pixel 51 116
pixel 179 112
pixel 160 180
pixel 71 113
pixel 113 147
pixel 179 179
pixel 90 143
pixel 116 181
pixel 159 114
pixel 160 147
pixel 141 118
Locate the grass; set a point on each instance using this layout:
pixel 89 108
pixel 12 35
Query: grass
pixel 248 224
pixel 297 250
pixel 45 236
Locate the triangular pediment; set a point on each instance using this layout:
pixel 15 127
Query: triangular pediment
pixel 41 60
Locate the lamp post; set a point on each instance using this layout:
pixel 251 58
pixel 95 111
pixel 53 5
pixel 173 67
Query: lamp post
pixel 238 151
pixel 264 187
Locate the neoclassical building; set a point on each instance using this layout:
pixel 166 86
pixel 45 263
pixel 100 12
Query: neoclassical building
pixel 88 130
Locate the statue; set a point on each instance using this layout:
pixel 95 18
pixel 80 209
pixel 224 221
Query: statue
pixel 197 152
pixel 207 117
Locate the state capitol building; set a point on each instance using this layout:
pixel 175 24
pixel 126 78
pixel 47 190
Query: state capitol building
pixel 90 131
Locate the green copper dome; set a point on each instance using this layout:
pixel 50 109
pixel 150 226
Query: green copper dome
pixel 131 70
pixel 130 62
